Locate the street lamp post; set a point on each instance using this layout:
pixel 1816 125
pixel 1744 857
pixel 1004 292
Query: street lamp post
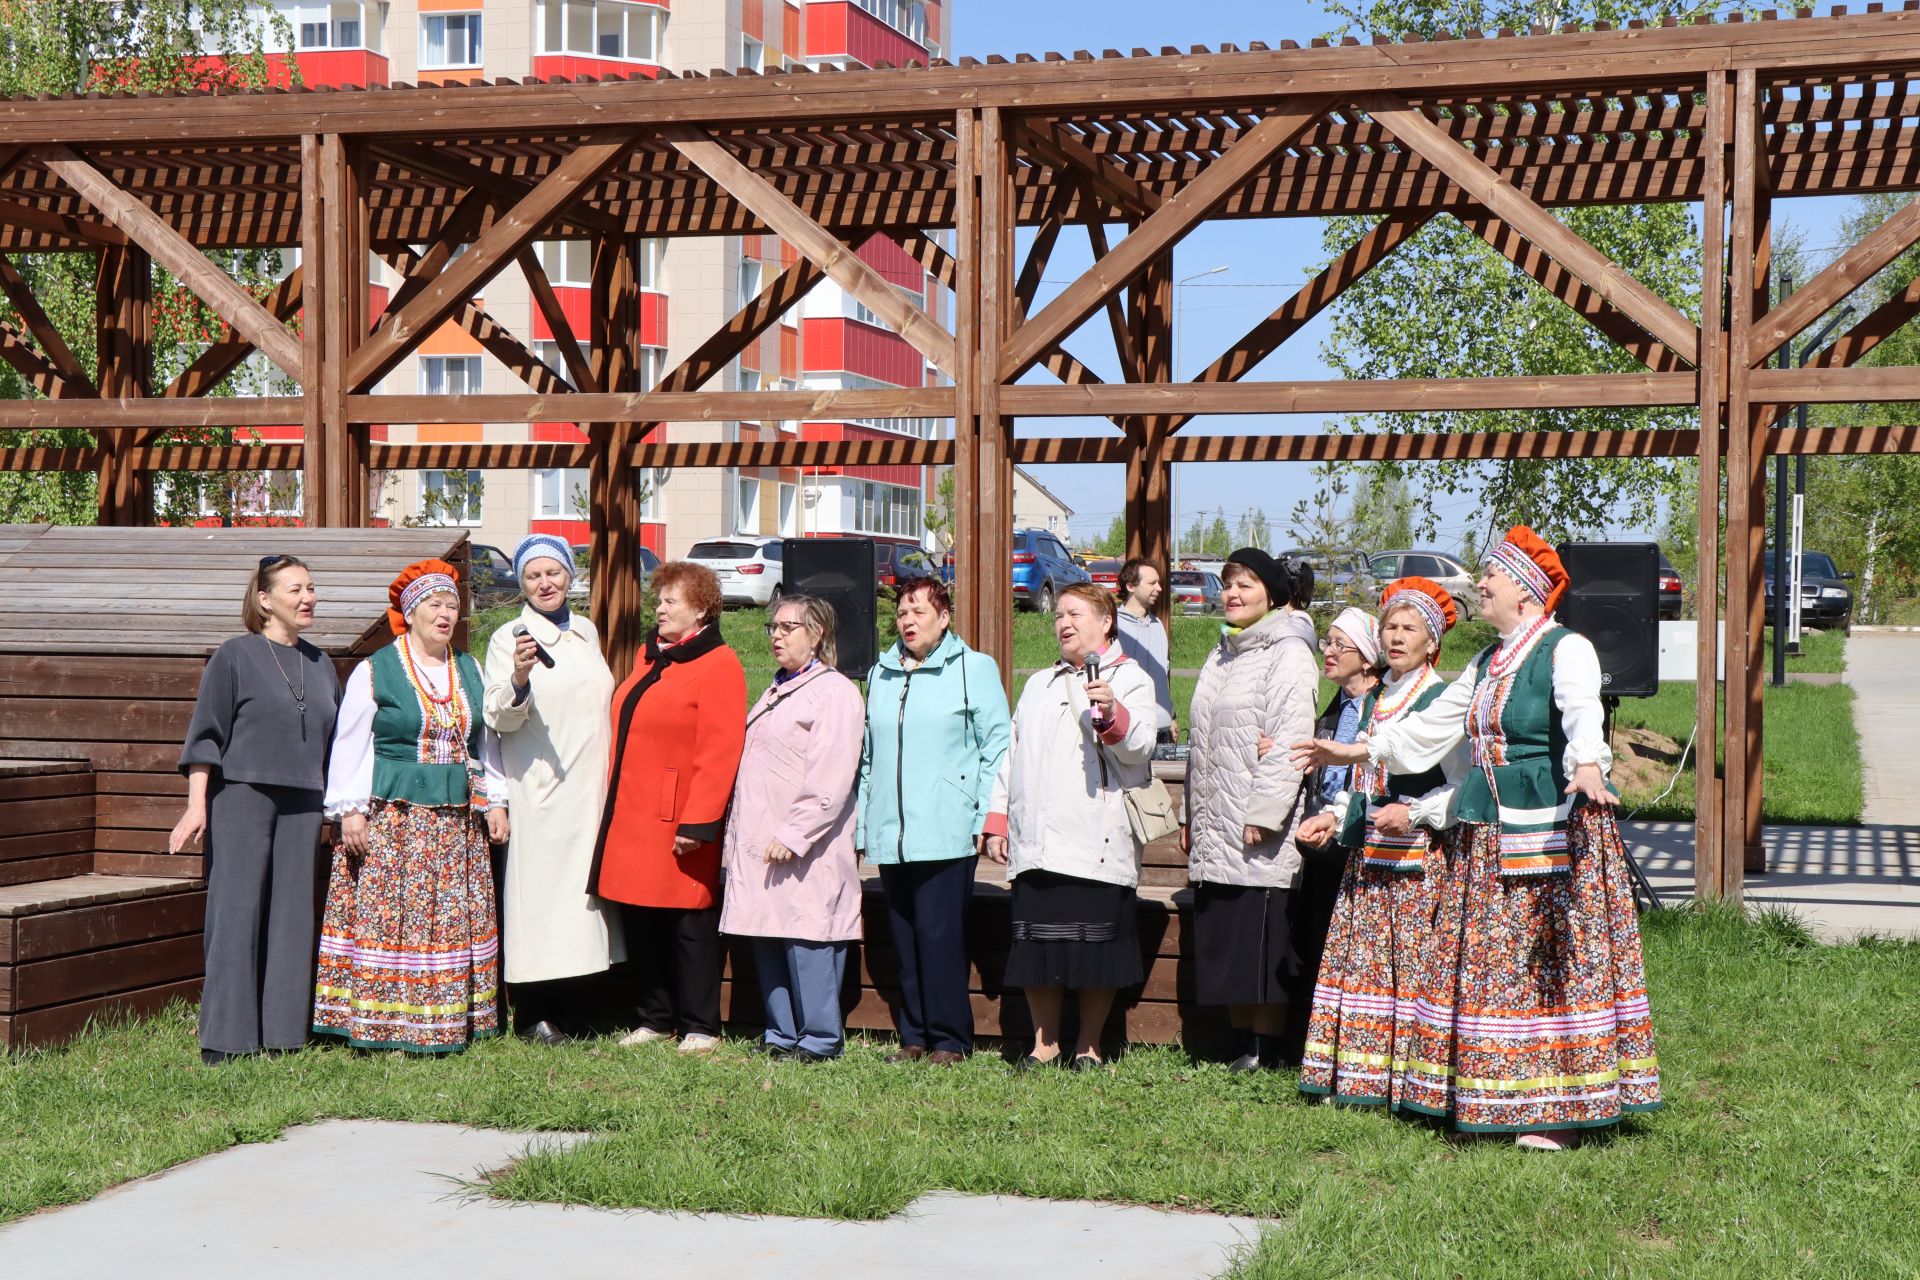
pixel 1178 376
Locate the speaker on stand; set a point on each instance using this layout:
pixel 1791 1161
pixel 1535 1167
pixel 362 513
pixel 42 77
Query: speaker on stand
pixel 839 571
pixel 1613 599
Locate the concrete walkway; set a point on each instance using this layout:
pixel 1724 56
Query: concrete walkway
pixel 1843 881
pixel 347 1197
pixel 1884 669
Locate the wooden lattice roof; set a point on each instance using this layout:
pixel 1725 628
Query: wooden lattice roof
pixel 1573 117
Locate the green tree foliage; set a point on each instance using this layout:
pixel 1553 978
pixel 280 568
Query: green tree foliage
pixel 1114 541
pixel 1218 543
pixel 939 514
pixel 1447 305
pixel 70 46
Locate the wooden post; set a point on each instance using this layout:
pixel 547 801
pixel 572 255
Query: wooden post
pixel 1747 296
pixel 995 573
pixel 315 397
pixel 356 175
pixel 970 362
pixel 123 327
pixel 1709 855
pixel 1149 470
pixel 335 283
pixel 611 476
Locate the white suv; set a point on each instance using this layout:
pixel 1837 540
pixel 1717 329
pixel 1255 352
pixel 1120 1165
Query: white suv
pixel 748 568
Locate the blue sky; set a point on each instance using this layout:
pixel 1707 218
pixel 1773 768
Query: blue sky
pixel 1265 261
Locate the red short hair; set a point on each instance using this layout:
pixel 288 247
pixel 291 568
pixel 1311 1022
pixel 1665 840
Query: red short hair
pixel 937 594
pixel 695 581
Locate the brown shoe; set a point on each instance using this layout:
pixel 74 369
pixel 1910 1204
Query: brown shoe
pixel 908 1053
pixel 945 1058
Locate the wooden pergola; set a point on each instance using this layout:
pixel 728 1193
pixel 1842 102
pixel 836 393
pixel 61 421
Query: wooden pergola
pixel 1494 130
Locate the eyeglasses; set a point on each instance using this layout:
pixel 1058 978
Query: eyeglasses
pixel 267 562
pixel 784 628
pixel 1335 650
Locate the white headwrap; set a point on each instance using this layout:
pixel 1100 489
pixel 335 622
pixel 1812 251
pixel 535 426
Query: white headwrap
pixel 1360 628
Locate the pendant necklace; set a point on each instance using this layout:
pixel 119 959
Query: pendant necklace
pixel 299 694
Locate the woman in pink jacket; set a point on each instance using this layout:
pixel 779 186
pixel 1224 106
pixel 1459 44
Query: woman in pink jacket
pixel 792 880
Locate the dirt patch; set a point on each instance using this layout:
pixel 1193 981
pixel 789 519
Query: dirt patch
pixel 1643 761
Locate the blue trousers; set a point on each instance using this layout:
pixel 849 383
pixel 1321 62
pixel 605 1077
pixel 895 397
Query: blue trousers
pixel 800 983
pixel 927 909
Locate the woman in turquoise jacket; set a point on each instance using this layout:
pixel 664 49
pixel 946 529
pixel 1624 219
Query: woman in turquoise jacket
pixel 937 730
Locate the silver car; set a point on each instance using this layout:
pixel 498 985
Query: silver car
pixel 1446 570
pixel 749 569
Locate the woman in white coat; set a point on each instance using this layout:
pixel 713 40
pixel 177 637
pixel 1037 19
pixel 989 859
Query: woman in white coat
pixel 553 721
pixel 1083 733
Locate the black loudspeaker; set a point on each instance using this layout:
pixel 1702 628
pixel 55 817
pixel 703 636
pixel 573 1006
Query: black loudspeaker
pixel 1613 594
pixel 839 571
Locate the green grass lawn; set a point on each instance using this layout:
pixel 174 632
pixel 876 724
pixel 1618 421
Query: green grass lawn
pixel 1790 1141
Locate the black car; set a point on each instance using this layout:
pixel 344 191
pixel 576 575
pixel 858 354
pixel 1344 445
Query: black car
pixel 1825 598
pixel 493 581
pixel 1671 588
pixel 895 562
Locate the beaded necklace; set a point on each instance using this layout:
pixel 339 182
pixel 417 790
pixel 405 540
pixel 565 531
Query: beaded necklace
pixel 444 711
pixel 1509 653
pixel 1375 773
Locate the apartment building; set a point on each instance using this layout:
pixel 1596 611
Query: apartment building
pixel 689 287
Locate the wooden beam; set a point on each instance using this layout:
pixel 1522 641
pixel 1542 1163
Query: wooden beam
pixel 1834 283
pixel 402 330
pixel 815 242
pixel 579 368
pixel 1040 252
pixel 495 338
pixel 1570 289
pixel 424 160
pixel 231 350
pixel 1107 182
pixel 133 413
pixel 993 561
pixel 173 251
pixel 774 300
pixel 1117 324
pixel 58 224
pixel 1157 234
pixel 457 230
pixel 1391 395
pixel 34 368
pixel 654 406
pixel 1640 304
pixel 1709 852
pixel 1314 297
pixel 44 331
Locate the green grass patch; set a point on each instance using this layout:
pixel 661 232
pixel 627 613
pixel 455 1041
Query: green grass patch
pixel 1791 1136
pixel 1812 753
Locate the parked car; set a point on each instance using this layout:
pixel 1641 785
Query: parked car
pixel 1447 571
pixel 1106 573
pixel 1340 578
pixel 895 562
pixel 491 580
pixel 1825 598
pixel 1041 567
pixel 749 569
pixel 1196 591
pixel 1671 588
pixel 583 572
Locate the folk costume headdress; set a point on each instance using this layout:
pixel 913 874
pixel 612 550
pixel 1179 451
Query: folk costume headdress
pixel 1362 630
pixel 1528 560
pixel 1425 597
pixel 416 582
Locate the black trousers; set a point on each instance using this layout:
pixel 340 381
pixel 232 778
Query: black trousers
pixel 674 955
pixel 1309 917
pixel 927 908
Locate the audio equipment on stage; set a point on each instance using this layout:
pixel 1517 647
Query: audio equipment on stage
pixel 839 571
pixel 1613 599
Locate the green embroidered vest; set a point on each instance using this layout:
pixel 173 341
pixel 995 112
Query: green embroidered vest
pixel 1518 781
pixel 415 759
pixel 1374 786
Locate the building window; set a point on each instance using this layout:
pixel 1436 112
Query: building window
pixel 653 366
pixel 753 54
pixel 650 481
pixel 889 510
pixel 451 497
pixel 341 24
pixel 747 509
pixel 547 352
pixel 449 40
pixel 652 263
pixel 449 375
pixel 560 494
pixel 752 279
pixel 908 17
pixel 600 29
pixel 566 262
pixel 789 509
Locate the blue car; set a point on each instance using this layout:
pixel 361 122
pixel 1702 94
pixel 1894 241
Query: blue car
pixel 1041 568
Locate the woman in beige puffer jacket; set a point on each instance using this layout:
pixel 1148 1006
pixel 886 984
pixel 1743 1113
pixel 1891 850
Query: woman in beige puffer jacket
pixel 1243 807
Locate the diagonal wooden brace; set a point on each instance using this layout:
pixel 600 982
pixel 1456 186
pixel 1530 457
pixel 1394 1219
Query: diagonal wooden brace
pixel 1504 200
pixel 177 254
pixel 1830 288
pixel 65 364
pixel 816 243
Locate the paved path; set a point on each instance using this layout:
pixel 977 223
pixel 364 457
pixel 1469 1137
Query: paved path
pixel 1884 669
pixel 1843 881
pixel 329 1200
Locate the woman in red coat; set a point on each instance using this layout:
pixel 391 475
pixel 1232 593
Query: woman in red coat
pixel 678 725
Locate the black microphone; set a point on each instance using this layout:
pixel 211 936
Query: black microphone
pixel 546 659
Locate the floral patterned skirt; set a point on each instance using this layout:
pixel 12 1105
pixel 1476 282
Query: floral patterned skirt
pixel 1360 1032
pixel 1533 1005
pixel 409 947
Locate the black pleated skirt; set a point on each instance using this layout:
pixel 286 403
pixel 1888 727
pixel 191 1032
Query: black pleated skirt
pixel 1074 933
pixel 1242 945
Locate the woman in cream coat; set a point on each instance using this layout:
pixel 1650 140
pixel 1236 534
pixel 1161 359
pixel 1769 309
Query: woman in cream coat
pixel 554 740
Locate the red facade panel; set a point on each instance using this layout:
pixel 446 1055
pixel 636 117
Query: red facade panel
pixel 885 255
pixel 841 30
pixel 574 66
pixel 835 345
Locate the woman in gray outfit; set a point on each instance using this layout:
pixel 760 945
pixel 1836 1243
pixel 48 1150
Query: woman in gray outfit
pixel 255 760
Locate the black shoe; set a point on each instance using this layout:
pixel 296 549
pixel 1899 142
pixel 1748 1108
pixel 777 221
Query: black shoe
pixel 1031 1063
pixel 546 1033
pixel 214 1057
pixel 797 1054
pixel 1086 1062
pixel 1244 1063
pixel 763 1049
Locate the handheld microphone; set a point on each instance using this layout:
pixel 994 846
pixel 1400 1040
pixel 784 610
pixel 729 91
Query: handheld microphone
pixel 1093 667
pixel 539 650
